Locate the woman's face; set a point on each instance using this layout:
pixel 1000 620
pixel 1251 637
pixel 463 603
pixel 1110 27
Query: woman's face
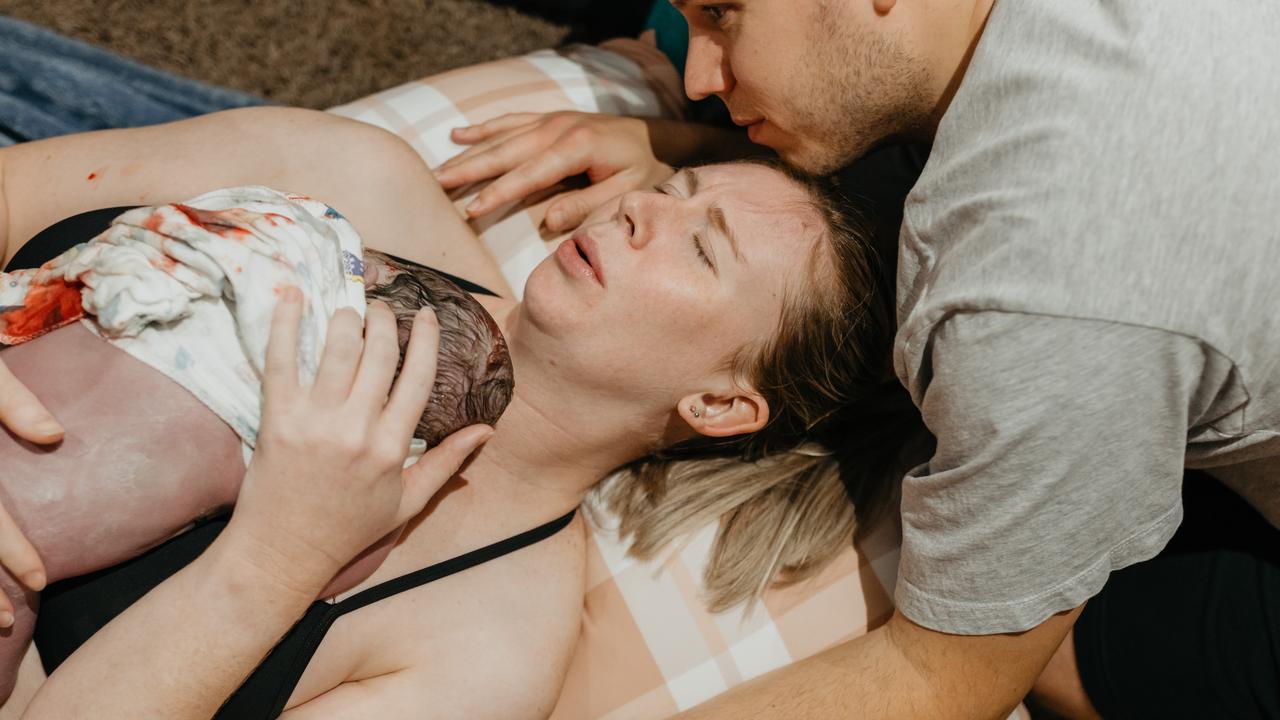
pixel 658 290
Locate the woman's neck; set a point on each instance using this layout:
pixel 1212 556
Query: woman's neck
pixel 550 447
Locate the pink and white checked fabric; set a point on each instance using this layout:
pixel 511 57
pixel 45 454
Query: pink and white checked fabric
pixel 648 647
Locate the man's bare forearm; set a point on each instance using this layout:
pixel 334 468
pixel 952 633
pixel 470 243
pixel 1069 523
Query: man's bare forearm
pixel 863 678
pixel 181 650
pixel 900 670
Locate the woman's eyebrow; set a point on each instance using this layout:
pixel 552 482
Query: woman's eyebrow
pixel 690 180
pixel 715 214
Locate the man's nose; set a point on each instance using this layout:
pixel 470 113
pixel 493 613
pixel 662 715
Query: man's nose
pixel 706 70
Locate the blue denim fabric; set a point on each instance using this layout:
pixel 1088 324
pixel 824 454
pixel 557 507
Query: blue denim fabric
pixel 53 85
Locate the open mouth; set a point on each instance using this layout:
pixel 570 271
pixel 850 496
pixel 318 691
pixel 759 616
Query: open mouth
pixel 577 255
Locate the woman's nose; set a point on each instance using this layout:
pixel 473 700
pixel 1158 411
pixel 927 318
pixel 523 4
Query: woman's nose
pixel 635 212
pixel 706 70
pixel 641 213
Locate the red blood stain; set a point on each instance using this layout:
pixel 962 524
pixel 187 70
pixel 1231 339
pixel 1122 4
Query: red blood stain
pixel 287 292
pixel 164 263
pixel 46 307
pixel 219 222
pixel 92 176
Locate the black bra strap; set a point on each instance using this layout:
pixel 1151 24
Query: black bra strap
pixel 452 565
pixel 463 283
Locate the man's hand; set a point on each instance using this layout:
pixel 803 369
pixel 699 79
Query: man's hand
pixel 528 152
pixel 326 480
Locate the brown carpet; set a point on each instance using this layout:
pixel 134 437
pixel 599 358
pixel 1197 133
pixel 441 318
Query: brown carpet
pixel 313 53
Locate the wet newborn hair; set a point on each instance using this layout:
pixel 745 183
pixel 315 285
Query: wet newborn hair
pixel 474 378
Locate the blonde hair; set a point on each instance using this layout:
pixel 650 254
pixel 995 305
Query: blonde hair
pixel 838 424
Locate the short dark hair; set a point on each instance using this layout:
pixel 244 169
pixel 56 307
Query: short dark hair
pixel 474 378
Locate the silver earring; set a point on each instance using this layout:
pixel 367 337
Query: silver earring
pixel 695 412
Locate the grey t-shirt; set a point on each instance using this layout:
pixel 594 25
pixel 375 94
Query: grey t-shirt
pixel 1089 299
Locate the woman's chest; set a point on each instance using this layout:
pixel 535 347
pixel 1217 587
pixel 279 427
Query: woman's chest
pixel 436 628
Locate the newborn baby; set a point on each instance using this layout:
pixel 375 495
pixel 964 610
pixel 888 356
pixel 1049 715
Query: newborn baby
pixel 158 382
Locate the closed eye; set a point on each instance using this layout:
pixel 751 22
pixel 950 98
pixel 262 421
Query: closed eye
pixel 702 252
pixel 698 247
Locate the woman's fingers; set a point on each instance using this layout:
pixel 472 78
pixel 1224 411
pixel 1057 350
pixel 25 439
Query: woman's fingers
pixel 20 558
pixel 22 413
pixel 381 354
pixel 18 555
pixel 280 369
pixel 341 358
pixel 425 477
pixel 417 377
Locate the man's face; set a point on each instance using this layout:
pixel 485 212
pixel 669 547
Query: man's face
pixel 819 81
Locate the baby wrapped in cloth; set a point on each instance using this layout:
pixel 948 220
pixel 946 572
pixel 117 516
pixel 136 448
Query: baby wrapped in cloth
pixel 189 290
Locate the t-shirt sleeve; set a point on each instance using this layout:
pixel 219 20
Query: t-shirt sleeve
pixel 1059 458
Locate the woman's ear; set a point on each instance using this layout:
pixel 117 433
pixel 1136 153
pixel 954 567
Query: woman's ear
pixel 724 415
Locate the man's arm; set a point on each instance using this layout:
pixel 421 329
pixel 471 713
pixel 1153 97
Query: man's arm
pixel 900 670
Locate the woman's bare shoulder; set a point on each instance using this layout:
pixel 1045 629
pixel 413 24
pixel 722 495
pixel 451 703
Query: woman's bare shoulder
pixel 494 641
pixel 525 639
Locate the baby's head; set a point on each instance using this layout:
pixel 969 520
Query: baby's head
pixel 473 369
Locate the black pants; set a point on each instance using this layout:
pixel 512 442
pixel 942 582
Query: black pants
pixel 1195 631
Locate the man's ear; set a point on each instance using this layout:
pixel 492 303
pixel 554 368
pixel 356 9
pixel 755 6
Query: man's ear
pixel 716 415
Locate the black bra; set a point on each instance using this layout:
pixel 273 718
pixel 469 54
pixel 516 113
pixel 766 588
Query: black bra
pixel 71 611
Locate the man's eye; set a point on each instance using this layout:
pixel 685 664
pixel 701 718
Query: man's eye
pixel 715 13
pixel 661 188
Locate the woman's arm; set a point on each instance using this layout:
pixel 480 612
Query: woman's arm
pixel 370 175
pixel 324 483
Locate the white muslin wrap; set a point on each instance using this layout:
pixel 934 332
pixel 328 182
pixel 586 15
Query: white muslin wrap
pixel 190 289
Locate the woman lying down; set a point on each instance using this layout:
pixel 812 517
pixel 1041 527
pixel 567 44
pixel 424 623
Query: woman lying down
pixel 723 318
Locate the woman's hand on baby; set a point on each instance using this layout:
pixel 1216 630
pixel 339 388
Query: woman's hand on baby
pixel 528 152
pixel 25 417
pixel 326 479
pixel 20 558
pixel 23 414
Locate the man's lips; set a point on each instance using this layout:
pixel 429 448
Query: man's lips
pixel 747 122
pixel 579 256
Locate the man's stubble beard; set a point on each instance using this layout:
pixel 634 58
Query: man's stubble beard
pixel 856 90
